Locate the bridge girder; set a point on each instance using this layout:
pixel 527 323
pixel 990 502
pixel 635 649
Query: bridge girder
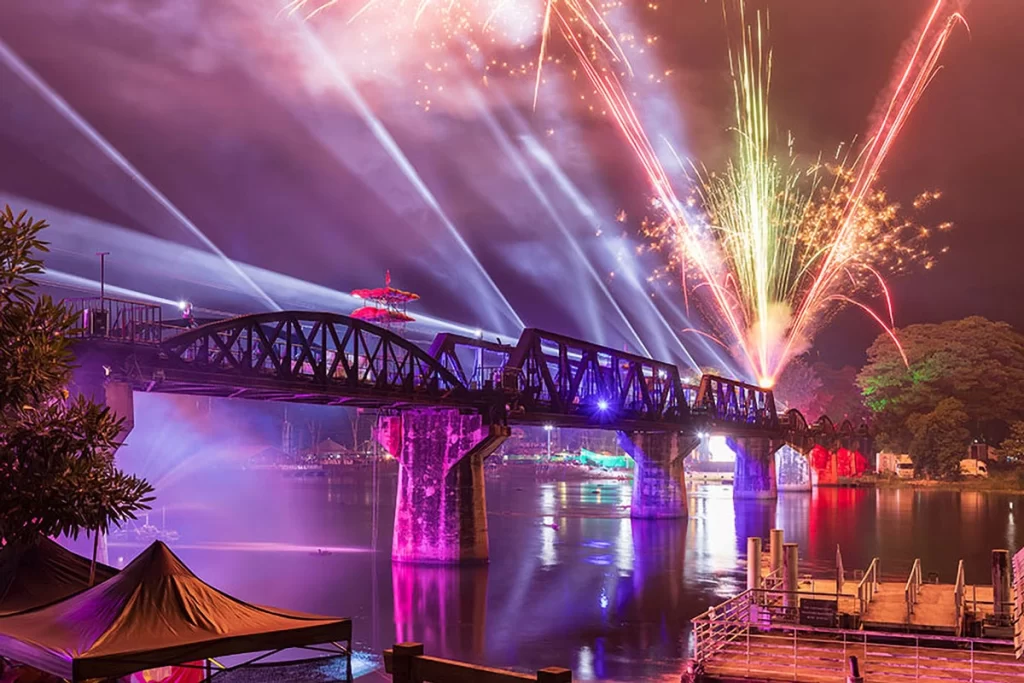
pixel 299 356
pixel 327 358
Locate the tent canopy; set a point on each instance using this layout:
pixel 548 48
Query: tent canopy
pixel 154 613
pixel 43 572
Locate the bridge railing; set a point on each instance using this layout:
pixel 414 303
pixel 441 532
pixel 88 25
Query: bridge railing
pixel 117 320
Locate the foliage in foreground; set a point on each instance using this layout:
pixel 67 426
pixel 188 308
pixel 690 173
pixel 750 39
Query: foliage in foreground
pixel 57 470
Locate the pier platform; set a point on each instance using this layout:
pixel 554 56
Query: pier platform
pixel 815 656
pixel 787 627
pixel 934 612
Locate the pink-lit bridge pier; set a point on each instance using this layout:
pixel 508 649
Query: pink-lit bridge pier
pixel 445 409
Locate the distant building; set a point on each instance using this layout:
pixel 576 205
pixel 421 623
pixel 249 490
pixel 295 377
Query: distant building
pixel 983 452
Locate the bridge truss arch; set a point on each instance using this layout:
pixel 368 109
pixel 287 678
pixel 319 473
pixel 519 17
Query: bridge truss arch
pixel 305 357
pixel 565 381
pixel 730 402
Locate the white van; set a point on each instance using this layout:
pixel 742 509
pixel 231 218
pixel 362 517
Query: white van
pixel 971 467
pixel 905 467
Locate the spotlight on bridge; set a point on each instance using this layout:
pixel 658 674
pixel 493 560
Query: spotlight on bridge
pixel 182 305
pixel 602 404
pixel 548 428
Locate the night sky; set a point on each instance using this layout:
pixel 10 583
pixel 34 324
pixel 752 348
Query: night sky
pixel 240 118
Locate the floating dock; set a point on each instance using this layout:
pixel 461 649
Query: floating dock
pixel 790 628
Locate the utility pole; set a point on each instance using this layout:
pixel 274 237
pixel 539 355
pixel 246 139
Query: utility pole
pixel 103 273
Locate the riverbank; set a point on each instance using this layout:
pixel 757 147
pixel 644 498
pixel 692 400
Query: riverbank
pixel 558 471
pixel 1011 481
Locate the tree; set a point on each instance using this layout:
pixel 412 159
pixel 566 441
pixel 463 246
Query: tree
pixel 1013 444
pixel 976 361
pixel 57 470
pixel 940 439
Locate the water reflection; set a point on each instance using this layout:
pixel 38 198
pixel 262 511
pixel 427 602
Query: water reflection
pixel 444 608
pixel 572 581
pixel 715 521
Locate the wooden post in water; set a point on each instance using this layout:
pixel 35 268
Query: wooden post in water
pixel 754 576
pixel 402 658
pixel 854 671
pixel 753 563
pixel 790 574
pixel 775 542
pixel 1001 581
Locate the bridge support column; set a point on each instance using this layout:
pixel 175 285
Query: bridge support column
pixel 755 467
pixel 659 482
pixel 824 466
pixel 441 513
pixel 90 379
pixel 92 382
pixel 793 469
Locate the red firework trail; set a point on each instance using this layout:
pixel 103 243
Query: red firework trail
pixel 914 78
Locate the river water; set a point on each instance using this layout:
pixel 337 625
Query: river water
pixel 572 581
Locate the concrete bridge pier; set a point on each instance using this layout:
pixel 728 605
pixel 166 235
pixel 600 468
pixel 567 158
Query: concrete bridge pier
pixel 441 512
pixel 793 470
pixel 824 466
pixel 92 380
pixel 754 475
pixel 659 482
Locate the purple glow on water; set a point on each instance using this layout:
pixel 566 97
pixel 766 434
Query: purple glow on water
pixel 572 580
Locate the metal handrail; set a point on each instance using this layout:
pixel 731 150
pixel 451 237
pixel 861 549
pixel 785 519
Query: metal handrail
pixel 805 653
pixel 912 588
pixel 729 636
pixel 959 597
pixel 117 320
pixel 773 580
pixel 721 624
pixel 868 585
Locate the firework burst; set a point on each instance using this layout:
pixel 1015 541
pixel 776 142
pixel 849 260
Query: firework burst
pixel 481 32
pixel 769 249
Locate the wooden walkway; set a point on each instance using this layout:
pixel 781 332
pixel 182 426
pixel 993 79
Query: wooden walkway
pixel 816 658
pixel 934 612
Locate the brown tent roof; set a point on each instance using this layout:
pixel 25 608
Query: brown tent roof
pixel 40 573
pixel 154 613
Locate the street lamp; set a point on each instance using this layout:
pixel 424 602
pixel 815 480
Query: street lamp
pixel 548 429
pixel 103 273
pixel 479 334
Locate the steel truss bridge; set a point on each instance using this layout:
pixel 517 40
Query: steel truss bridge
pixel 331 359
